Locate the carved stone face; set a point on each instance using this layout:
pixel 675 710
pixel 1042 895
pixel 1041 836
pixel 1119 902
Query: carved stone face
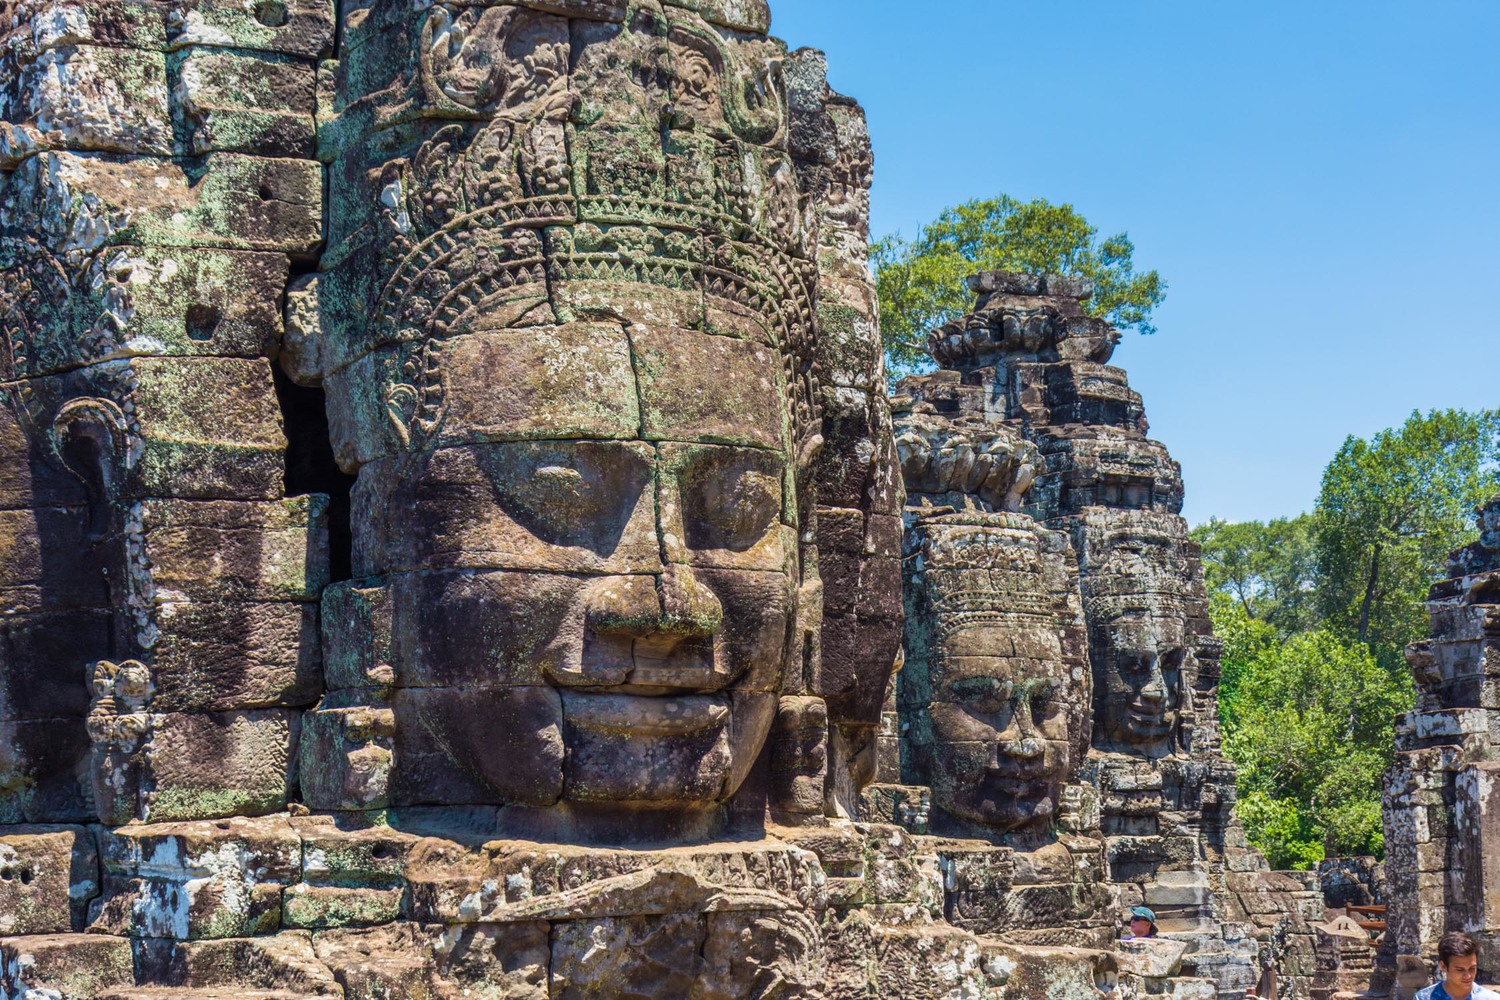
pixel 1008 703
pixel 1000 729
pixel 1138 665
pixel 596 621
pixel 576 412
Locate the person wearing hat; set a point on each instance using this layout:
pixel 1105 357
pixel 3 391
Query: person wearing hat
pixel 1142 923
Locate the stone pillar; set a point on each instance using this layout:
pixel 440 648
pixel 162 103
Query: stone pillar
pixel 159 187
pixel 1440 792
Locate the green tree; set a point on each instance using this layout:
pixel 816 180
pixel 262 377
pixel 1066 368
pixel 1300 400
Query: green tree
pixel 1390 511
pixel 1246 640
pixel 921 282
pixel 1310 725
pixel 1269 568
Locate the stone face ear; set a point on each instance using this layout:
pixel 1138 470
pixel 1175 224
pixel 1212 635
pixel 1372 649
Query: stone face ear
pixel 91 438
pixel 401 407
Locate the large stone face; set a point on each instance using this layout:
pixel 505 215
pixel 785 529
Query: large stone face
pixel 569 328
pixel 457 535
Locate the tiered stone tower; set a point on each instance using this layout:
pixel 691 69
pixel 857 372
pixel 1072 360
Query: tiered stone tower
pixel 1026 414
pixel 1441 805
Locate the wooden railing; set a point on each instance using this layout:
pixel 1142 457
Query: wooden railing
pixel 1371 918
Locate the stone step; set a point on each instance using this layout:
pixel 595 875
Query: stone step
pixel 180 993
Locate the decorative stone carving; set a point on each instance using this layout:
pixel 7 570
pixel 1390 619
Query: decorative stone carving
pixel 1026 416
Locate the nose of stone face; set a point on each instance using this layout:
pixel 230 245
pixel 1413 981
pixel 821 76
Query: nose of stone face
pixel 651 631
pixel 660 610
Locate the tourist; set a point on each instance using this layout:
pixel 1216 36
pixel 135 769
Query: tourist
pixel 1458 957
pixel 1142 924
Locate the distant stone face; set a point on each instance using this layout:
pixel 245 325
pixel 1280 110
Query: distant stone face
pixel 1060 692
pixel 1008 706
pixel 1137 629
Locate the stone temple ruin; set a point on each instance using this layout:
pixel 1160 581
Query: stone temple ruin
pixel 460 544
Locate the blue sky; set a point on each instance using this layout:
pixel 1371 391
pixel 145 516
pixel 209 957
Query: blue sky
pixel 1319 182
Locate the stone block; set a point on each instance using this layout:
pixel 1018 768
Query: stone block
pixel 205 765
pixel 88 98
pixel 163 301
pixel 81 201
pixel 34 576
pixel 510 739
pixel 510 960
pixel 357 636
pixel 188 427
pixel 709 389
pixel 346 757
pixel 56 23
pixel 285 962
pixel 45 658
pixel 210 428
pixel 204 908
pixel 48 875
pixel 849 335
pixel 231 551
pixel 43 771
pixel 65 966
pixel 223 656
pixel 237 101
pixel 301 28
pixel 318 907
pixel 858 654
pixel 195 880
pixel 383 963
pixel 663 956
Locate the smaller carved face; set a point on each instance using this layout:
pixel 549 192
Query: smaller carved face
pixel 1139 658
pixel 1000 729
pixel 695 82
pixel 498 58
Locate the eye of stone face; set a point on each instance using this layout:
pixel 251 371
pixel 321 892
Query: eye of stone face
pixel 1044 701
pixel 578 494
pixel 983 694
pixel 1172 660
pixel 731 498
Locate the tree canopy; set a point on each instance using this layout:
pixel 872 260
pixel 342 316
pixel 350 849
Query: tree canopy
pixel 1310 723
pixel 1390 510
pixel 1316 612
pixel 1269 569
pixel 921 281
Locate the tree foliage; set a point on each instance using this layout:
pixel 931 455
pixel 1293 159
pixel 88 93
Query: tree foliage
pixel 1268 568
pixel 921 282
pixel 1309 722
pixel 1315 613
pixel 1390 510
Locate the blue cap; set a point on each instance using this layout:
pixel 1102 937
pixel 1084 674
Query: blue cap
pixel 1141 913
